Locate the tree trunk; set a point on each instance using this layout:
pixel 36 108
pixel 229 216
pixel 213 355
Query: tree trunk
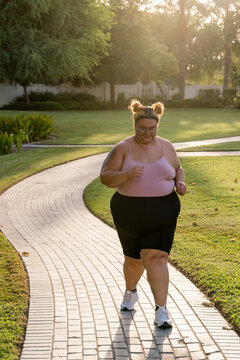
pixel 112 95
pixel 160 88
pixel 227 65
pixel 182 75
pixel 182 46
pixel 227 50
pixel 26 93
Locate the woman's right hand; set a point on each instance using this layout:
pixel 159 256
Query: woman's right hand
pixel 111 174
pixel 136 171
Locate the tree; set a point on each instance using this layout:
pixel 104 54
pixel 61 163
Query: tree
pixel 129 39
pixel 206 53
pixel 188 18
pixel 227 14
pixel 135 54
pixel 161 65
pixel 51 40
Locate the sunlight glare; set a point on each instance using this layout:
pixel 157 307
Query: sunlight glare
pixel 153 3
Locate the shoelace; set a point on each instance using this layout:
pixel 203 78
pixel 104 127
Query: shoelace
pixel 128 296
pixel 163 310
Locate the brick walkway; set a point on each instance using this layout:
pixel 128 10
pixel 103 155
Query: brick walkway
pixel 76 282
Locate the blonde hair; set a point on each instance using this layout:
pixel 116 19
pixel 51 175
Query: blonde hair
pixel 139 111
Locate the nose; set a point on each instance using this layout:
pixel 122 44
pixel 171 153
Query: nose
pixel 147 131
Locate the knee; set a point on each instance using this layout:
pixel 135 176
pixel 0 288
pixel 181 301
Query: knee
pixel 133 262
pixel 153 261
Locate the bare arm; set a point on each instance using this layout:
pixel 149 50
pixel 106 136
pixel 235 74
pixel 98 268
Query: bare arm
pixel 111 174
pixel 180 181
pixel 180 176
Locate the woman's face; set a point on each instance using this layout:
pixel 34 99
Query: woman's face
pixel 146 130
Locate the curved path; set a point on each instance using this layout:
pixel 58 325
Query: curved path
pixel 76 282
pixel 181 145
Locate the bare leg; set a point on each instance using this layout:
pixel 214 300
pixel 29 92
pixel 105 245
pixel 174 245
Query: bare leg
pixel 155 262
pixel 133 270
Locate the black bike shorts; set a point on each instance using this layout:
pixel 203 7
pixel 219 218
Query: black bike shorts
pixel 145 222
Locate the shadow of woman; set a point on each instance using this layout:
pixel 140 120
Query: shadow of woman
pixel 137 340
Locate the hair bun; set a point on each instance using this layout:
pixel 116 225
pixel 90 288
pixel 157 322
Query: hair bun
pixel 135 106
pixel 158 108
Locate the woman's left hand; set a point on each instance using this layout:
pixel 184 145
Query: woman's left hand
pixel 181 188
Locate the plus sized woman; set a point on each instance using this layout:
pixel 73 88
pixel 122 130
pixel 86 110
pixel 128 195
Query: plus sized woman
pixel 145 169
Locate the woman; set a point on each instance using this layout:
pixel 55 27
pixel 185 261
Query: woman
pixel 144 169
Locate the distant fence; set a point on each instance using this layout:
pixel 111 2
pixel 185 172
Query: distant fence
pixel 9 92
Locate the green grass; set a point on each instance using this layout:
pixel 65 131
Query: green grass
pixel 109 127
pixel 13 301
pixel 17 166
pixel 13 277
pixel 231 146
pixel 207 241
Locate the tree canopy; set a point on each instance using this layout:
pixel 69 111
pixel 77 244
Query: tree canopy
pixel 135 54
pixel 52 40
pixel 117 41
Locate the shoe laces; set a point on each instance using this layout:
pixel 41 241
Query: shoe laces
pixel 163 309
pixel 128 296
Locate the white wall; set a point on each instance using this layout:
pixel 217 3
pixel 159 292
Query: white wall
pixel 130 91
pixel 9 92
pixel 192 90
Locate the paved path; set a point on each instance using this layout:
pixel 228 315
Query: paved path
pixel 76 282
pixel 181 145
pixel 188 144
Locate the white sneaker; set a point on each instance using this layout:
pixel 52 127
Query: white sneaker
pixel 162 319
pixel 129 299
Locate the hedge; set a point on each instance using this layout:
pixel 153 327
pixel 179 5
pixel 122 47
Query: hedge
pixel 23 128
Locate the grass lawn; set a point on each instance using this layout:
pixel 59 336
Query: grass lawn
pixel 109 127
pixel 13 278
pixel 207 242
pixel 106 127
pixel 231 146
pixel 13 301
pixel 17 166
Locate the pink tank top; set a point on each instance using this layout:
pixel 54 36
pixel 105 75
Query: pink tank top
pixel 156 179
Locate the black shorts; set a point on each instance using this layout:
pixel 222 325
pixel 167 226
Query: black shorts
pixel 145 222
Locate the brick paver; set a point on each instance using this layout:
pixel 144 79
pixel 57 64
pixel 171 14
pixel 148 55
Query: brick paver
pixel 76 282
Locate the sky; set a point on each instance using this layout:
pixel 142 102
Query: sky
pixel 156 2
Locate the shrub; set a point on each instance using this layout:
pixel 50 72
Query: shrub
pixel 34 126
pixel 72 96
pixel 206 103
pixel 237 104
pixel 122 101
pixel 228 96
pixel 193 103
pixel 37 105
pixel 62 101
pixel 42 126
pixel 180 103
pixel 47 96
pixel 6 143
pixel 8 124
pixel 37 96
pixel 149 100
pixel 177 96
pixel 210 94
pixel 19 139
pixel 86 105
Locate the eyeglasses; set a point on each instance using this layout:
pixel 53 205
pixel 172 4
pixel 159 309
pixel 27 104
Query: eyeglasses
pixel 146 129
